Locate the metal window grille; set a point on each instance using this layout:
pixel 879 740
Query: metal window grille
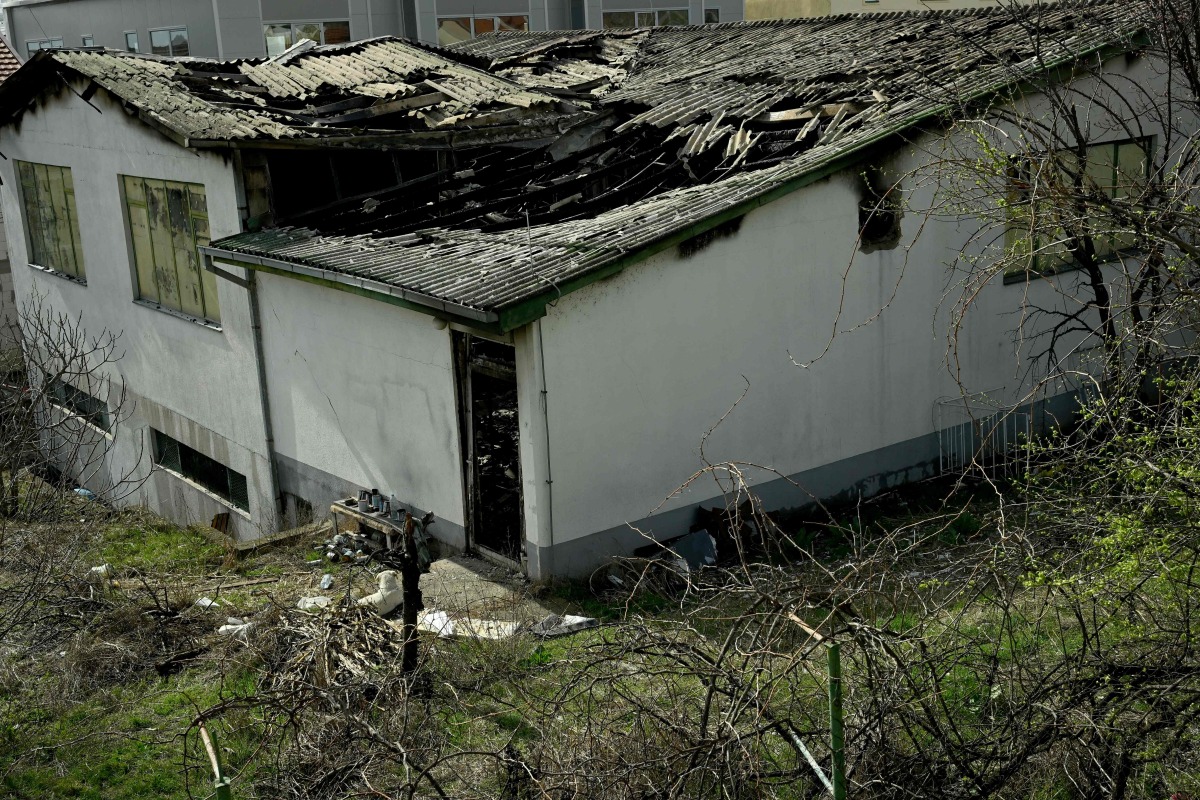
pixel 975 433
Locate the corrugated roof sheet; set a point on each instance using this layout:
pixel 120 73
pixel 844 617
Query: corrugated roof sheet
pixel 836 85
pixel 381 85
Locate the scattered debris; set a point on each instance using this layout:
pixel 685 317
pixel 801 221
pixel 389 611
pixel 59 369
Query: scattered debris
pixel 313 603
pixel 206 603
pixel 326 582
pixel 104 571
pixel 240 632
pixel 555 625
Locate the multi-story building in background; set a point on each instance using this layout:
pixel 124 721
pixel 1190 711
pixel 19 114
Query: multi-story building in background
pixel 254 28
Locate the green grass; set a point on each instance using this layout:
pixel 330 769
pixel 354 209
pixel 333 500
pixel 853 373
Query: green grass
pixel 157 546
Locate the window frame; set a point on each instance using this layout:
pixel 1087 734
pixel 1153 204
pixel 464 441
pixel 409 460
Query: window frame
pixel 1040 265
pixel 79 275
pixel 171 30
pixel 293 24
pixel 204 279
pixel 493 18
pixel 34 45
pixel 161 447
pixel 87 40
pixel 136 48
pixel 716 12
pixel 655 12
pixel 72 400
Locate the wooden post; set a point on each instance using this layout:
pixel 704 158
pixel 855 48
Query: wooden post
pixel 410 577
pixel 837 739
pixel 220 781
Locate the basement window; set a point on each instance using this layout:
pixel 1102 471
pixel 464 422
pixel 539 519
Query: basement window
pixel 48 198
pixel 78 402
pixel 177 457
pixel 131 42
pixel 89 41
pixel 168 221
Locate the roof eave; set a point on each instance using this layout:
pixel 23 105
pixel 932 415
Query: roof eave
pixel 377 290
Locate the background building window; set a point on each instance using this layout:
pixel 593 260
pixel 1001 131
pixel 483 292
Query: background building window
pixel 131 42
pixel 459 29
pixel 712 16
pixel 34 45
pixel 89 41
pixel 282 35
pixel 167 222
pixel 79 403
pixel 645 18
pixel 195 466
pixel 48 197
pixel 169 42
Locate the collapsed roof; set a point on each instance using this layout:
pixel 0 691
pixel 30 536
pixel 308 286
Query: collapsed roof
pixel 575 153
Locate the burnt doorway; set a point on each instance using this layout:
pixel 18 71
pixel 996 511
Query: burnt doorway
pixel 491 442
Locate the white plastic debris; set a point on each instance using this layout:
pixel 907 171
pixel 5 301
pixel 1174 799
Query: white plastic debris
pixel 102 571
pixel 389 595
pixel 326 581
pixel 234 621
pixel 313 603
pixel 206 602
pixel 241 632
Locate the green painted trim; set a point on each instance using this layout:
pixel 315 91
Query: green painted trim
pixel 367 293
pixel 526 311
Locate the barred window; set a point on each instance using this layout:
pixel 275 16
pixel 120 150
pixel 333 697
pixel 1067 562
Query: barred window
pixel 48 198
pixel 80 403
pixel 219 479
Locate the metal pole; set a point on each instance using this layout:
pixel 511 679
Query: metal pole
pixel 837 739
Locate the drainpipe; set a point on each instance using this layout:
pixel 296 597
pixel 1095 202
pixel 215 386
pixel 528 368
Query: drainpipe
pixel 546 423
pixel 250 283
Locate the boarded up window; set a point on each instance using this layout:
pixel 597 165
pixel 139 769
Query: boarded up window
pixel 168 221
pixel 48 196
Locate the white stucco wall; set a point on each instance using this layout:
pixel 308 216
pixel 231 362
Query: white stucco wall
pixel 364 392
pixel 188 380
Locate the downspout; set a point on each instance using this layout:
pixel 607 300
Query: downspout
pixel 546 423
pixel 250 283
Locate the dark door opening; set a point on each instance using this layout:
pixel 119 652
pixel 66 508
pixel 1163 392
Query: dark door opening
pixel 491 437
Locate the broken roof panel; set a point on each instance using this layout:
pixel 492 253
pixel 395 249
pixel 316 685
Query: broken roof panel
pixel 306 94
pixel 706 123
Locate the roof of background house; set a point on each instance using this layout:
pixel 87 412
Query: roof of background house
pixel 309 94
pixel 706 123
pixel 10 60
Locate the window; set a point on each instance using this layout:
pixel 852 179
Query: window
pixel 1047 210
pixel 169 42
pixel 89 41
pixel 195 466
pixel 282 35
pixel 645 19
pixel 131 43
pixel 712 16
pixel 34 45
pixel 48 197
pixel 79 403
pixel 459 29
pixel 167 222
